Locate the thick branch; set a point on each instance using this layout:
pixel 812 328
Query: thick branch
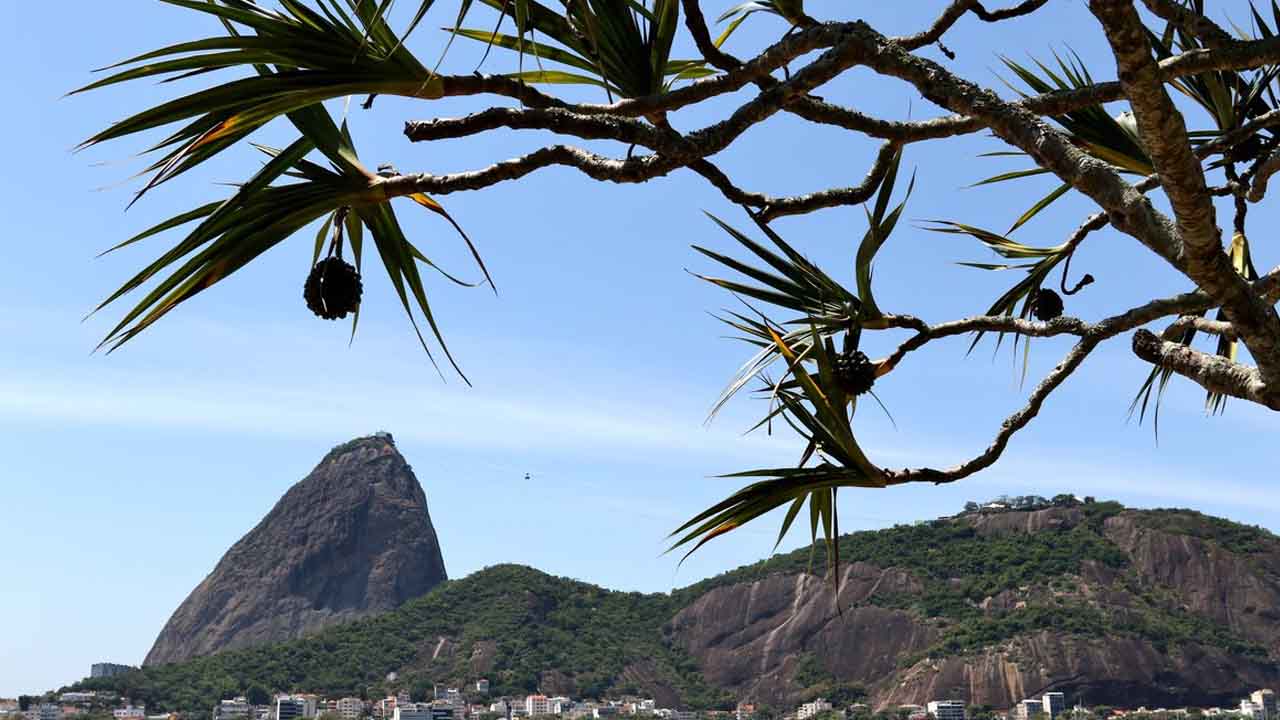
pixel 1212 372
pixel 1129 211
pixel 595 166
pixel 1268 167
pixel 557 120
pixel 1161 127
pixel 1242 55
pixel 1193 22
pixel 1164 135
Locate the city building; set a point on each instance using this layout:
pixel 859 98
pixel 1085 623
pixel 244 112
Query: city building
pixel 444 712
pixel 129 712
pixel 812 709
pixel 1267 699
pixel 289 707
pixel 1250 710
pixel 535 705
pixel 446 708
pixel 1028 709
pixel 684 715
pixel 914 712
pixel 234 709
pixel 1054 704
pixel 106 669
pixel 350 708
pixel 946 709
pixel 412 711
pixel 44 711
pixel 482 686
pixel 386 707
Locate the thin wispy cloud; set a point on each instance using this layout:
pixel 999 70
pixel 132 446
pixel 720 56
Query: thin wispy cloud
pixel 459 419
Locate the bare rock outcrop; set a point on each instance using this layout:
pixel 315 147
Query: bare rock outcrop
pixel 351 539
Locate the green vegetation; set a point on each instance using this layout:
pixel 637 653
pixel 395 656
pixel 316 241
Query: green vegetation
pixel 535 621
pixel 523 622
pixel 818 681
pixel 1165 629
pixel 942 550
pixel 1231 536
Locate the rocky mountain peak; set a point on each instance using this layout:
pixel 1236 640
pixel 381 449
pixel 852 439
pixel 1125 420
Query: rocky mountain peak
pixel 351 539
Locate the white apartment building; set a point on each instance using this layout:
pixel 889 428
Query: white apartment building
pixel 946 709
pixel 129 712
pixel 350 708
pixel 1054 704
pixel 1250 710
pixel 412 711
pixel 1267 699
pixel 535 705
pixel 812 709
pixel 233 709
pixel 1028 709
pixel 482 686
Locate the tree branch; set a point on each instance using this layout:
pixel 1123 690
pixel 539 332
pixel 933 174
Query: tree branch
pixel 1212 372
pixel 775 207
pixel 926 333
pixel 1198 25
pixel 1012 424
pixel 1164 134
pixel 1160 126
pixel 957 10
pixel 1090 336
pixel 1223 329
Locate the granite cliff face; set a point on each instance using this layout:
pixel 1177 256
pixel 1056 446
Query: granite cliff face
pixel 1181 609
pixel 350 540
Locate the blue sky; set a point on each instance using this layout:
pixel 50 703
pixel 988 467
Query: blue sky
pixel 126 476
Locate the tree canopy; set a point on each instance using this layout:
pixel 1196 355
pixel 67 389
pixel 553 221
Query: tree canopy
pixel 280 61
